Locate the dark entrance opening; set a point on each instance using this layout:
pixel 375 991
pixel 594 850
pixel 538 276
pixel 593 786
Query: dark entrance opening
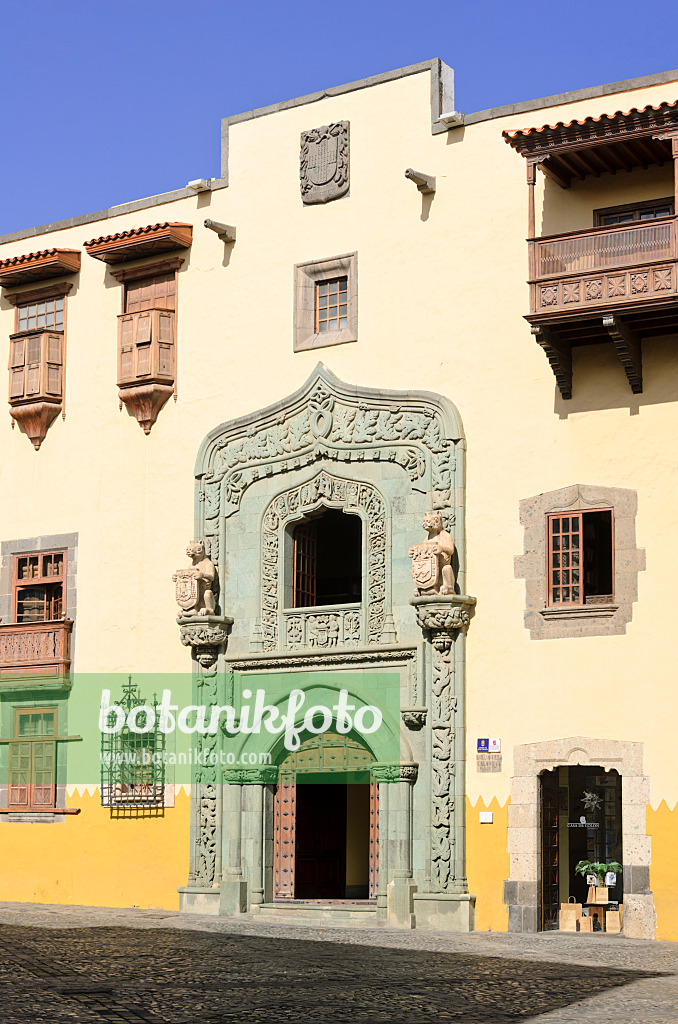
pixel 581 820
pixel 328 559
pixel 332 841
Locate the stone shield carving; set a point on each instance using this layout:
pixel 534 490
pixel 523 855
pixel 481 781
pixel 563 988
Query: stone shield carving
pixel 324 163
pixel 425 569
pixel 186 588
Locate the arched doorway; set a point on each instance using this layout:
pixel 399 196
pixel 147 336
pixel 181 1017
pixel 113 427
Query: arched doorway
pixel 326 822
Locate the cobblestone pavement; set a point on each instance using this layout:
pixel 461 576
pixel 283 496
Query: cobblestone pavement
pixel 81 964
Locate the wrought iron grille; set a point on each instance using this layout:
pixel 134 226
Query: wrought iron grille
pixel 133 763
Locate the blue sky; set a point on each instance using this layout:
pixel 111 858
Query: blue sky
pixel 105 101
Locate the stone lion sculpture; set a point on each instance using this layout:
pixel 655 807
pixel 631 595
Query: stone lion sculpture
pixel 194 592
pixel 431 560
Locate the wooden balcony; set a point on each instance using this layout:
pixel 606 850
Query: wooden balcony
pixel 36 648
pixel 616 284
pixel 601 269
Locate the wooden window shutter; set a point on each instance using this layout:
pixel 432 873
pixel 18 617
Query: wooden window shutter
pixel 305 570
pixel 143 344
pixel 16 368
pixel 126 349
pixel 166 344
pixel 33 352
pixel 54 368
pixel 19 774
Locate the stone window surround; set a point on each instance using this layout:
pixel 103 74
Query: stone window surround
pixel 522 890
pixel 306 276
pixel 551 623
pixel 22 546
pixel 55 542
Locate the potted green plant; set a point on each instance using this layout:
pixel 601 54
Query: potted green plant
pixel 587 867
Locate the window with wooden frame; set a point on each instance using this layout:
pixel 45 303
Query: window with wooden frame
pixel 580 551
pixel 38 588
pixel 32 760
pixel 146 334
pixel 331 305
pixel 633 212
pixel 37 359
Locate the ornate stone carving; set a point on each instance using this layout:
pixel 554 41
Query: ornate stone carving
pixel 262 775
pixel 334 629
pixel 384 772
pixel 414 718
pixel 443 613
pixel 329 420
pixel 194 592
pixel 206 838
pixel 323 630
pixel 324 163
pixel 205 635
pixel 442 768
pixel 431 561
pixel 315 657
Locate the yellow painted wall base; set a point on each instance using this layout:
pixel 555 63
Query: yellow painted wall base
pixel 487 863
pixel 92 859
pixel 662 826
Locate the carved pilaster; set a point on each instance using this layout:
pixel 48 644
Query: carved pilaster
pixel 442 618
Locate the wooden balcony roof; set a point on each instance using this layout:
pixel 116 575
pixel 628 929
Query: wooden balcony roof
pixel 39 266
pixel 139 242
pixel 599 145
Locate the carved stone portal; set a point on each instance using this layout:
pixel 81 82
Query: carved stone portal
pixel 194 592
pixel 431 561
pixel 324 172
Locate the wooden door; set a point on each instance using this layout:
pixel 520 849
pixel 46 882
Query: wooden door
pixel 284 830
pixel 550 885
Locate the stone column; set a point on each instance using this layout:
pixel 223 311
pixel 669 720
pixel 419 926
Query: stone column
pixel 233 884
pixel 398 884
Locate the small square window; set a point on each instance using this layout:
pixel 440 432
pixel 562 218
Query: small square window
pixel 325 302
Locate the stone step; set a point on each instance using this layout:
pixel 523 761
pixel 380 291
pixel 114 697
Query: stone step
pixel 331 914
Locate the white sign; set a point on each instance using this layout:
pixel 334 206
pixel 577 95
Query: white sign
pixel 495 746
pixel 485 817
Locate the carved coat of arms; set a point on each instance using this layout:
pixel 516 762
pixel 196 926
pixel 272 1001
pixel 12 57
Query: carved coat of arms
pixel 324 163
pixel 186 588
pixel 425 569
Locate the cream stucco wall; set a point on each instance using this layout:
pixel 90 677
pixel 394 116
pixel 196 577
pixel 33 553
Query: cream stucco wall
pixel 442 295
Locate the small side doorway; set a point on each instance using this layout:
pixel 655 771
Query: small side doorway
pixel 581 820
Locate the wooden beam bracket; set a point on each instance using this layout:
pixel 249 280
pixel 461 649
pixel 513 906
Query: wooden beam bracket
pixel 559 356
pixel 551 172
pixel 627 347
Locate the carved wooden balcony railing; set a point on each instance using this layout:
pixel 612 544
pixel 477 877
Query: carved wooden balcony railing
pixel 611 268
pixel 36 648
pixel 322 628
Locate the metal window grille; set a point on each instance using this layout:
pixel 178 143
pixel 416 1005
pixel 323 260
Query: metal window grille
pixel 133 763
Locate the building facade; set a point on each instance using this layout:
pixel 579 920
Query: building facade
pixel 298 363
